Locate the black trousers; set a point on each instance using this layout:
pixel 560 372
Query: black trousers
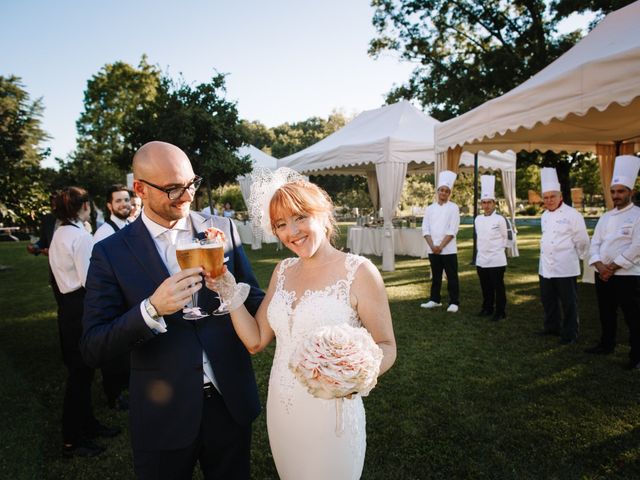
pixel 448 263
pixel 560 294
pixel 115 377
pixel 222 448
pixel 77 409
pixel 493 291
pixel 619 292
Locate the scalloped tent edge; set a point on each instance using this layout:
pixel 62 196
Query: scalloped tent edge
pixel 586 99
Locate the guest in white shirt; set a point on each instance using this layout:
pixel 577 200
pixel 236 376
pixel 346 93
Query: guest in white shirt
pixel 119 206
pixel 439 228
pixel 564 242
pixel 136 206
pixel 69 255
pixel 491 260
pixel 228 211
pixel 207 210
pixel 615 253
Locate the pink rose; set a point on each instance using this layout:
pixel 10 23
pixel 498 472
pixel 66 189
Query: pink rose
pixel 335 361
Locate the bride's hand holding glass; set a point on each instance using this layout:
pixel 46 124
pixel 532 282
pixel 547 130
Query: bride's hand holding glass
pixel 232 295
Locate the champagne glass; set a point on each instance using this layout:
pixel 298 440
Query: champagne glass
pixel 189 255
pixel 213 259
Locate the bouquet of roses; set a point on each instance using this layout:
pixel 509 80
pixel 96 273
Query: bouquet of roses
pixel 336 361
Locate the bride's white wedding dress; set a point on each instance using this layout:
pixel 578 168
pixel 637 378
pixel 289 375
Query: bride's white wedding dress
pixel 302 428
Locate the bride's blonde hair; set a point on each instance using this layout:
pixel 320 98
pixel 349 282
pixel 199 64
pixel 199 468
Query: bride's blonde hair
pixel 302 197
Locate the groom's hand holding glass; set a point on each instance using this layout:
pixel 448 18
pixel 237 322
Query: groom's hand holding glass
pixel 176 291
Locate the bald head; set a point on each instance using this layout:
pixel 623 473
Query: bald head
pixel 158 158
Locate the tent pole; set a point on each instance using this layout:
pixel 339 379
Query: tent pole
pixel 475 206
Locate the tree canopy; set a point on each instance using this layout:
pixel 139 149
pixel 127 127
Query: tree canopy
pixel 23 192
pixel 112 99
pixel 469 51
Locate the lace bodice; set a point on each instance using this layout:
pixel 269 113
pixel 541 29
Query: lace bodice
pixel 291 318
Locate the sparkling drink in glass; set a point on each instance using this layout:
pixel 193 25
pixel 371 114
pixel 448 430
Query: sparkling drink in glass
pixel 213 258
pixel 189 255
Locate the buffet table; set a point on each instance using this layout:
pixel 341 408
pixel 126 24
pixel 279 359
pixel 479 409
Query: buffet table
pixel 368 241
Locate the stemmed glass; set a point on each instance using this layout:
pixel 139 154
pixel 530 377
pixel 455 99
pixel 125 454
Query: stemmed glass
pixel 213 262
pixel 189 255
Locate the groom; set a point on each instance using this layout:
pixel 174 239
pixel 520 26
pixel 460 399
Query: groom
pixel 193 394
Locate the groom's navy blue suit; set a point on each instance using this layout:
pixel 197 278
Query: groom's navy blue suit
pixel 166 397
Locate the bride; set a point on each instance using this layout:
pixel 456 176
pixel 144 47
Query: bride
pixel 321 286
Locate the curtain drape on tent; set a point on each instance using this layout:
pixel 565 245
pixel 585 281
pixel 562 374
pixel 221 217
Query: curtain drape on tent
pixel 453 159
pixel 509 187
pixel 606 158
pixel 394 174
pixel 372 183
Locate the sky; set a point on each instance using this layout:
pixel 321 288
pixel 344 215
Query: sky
pixel 285 60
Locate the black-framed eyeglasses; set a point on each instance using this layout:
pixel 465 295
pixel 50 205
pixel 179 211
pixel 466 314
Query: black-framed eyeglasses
pixel 174 193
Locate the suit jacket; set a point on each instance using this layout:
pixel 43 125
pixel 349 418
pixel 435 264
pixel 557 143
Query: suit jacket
pixel 165 391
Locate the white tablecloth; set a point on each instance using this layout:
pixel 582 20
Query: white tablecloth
pixel 246 233
pixel 368 241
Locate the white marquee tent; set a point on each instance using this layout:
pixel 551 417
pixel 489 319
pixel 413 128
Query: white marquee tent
pixel 258 159
pixel 586 100
pixel 385 144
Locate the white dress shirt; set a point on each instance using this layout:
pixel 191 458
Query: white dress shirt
pixel 105 230
pixel 491 231
pixel 69 255
pixel 440 221
pixel 165 240
pixel 564 242
pixel 617 239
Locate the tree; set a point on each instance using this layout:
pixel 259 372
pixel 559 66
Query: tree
pixel 111 101
pixel 258 135
pixel 199 120
pixel 468 52
pixel 565 8
pixel 23 194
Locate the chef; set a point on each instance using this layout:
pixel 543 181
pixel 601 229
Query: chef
pixel 564 242
pixel 439 227
pixel 615 254
pixel 491 261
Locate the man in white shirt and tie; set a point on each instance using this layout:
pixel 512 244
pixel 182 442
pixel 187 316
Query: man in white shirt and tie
pixel 615 254
pixel 439 227
pixel 119 206
pixel 564 242
pixel 491 260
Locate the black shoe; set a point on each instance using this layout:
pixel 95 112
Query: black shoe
pixel 83 448
pixel 633 365
pixel 484 313
pixel 499 316
pixel 568 341
pixel 544 333
pixel 599 350
pixel 103 431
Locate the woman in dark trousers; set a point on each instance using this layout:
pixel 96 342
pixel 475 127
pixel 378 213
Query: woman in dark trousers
pixel 69 255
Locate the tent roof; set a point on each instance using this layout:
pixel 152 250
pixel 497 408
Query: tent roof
pixel 589 95
pixel 394 133
pixel 258 157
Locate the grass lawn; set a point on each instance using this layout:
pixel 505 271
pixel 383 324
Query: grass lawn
pixel 466 399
